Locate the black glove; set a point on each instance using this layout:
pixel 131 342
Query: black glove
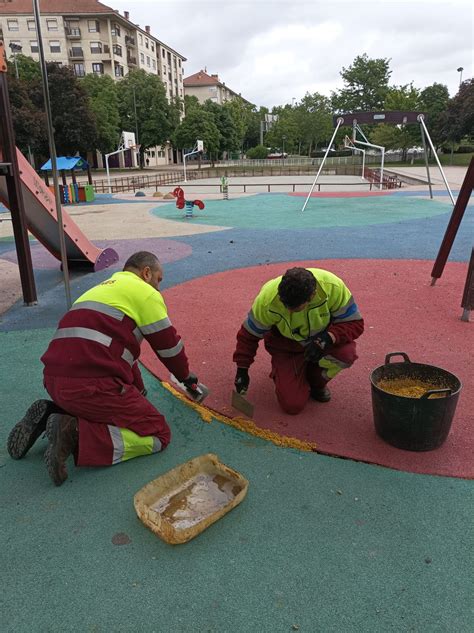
pixel 191 381
pixel 242 380
pixel 315 349
pixel 144 392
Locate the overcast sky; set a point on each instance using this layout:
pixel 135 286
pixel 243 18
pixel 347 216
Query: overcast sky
pixel 273 52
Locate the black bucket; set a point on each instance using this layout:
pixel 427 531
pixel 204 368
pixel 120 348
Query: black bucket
pixel 414 424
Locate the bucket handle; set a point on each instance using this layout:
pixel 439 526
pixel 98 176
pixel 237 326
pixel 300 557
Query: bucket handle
pixel 427 394
pixel 391 354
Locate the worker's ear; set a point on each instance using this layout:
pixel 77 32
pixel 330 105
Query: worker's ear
pixel 146 274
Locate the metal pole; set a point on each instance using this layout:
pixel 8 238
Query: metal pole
pixel 428 175
pixel 16 65
pixel 52 151
pixel 421 119
pixel 136 123
pixel 184 166
pixel 108 172
pixel 339 121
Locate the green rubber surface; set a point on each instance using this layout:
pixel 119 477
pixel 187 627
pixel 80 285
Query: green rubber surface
pixel 320 544
pixel 281 211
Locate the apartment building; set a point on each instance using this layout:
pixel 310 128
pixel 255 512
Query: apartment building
pixel 204 87
pixel 91 37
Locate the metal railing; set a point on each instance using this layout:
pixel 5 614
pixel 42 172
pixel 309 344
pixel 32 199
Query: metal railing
pixel 155 181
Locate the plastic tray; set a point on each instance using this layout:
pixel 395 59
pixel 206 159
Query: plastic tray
pixel 182 503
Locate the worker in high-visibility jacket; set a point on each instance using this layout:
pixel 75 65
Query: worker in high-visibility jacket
pixel 99 412
pixel 309 322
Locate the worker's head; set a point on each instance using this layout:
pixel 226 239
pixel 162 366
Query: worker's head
pixel 147 266
pixel 296 289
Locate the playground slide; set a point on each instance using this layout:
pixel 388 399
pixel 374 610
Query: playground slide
pixel 40 208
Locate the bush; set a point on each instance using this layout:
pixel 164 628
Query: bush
pixel 257 152
pixel 465 149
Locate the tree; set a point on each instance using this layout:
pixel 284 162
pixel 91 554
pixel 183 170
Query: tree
pixel 259 151
pixel 73 120
pixel 103 100
pixel 458 120
pixel 229 139
pixel 366 85
pixel 26 99
pixel 198 124
pixel 313 121
pixel 241 114
pixel 143 108
pixel 433 102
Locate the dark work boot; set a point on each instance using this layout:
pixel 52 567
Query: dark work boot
pixel 33 424
pixel 63 437
pixel 321 395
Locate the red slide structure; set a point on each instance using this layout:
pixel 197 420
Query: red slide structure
pixel 40 209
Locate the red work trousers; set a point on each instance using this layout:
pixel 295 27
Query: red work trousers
pixel 116 422
pixel 294 377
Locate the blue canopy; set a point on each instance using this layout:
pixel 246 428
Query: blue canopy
pixel 66 162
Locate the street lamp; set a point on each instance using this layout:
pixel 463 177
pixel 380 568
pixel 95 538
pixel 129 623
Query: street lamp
pixel 283 138
pixel 15 48
pixel 460 69
pixel 293 99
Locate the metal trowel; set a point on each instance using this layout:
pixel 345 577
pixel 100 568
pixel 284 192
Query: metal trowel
pixel 242 404
pixel 197 392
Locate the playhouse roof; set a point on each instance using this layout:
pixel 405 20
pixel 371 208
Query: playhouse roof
pixel 66 162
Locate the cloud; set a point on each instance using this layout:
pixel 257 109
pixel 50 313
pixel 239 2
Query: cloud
pixel 272 51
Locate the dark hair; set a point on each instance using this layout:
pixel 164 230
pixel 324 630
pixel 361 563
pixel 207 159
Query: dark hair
pixel 296 287
pixel 140 260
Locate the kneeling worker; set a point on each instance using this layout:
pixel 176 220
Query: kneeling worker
pixel 309 322
pixel 99 412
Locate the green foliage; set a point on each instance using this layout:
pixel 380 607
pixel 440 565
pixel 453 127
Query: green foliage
pixel 366 85
pixel 433 102
pixel 73 119
pixel 259 151
pixel 28 69
pixel 29 121
pixel 143 106
pixel 242 115
pixel 313 119
pixel 458 120
pixel 229 138
pixel 198 124
pixel 103 99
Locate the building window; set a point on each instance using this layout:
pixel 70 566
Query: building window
pixel 79 70
pixel 146 42
pixel 117 50
pixel 140 38
pixel 163 54
pixel 52 24
pixel 31 25
pixel 148 61
pixel 34 46
pixel 152 47
pixel 96 47
pixel 118 70
pixel 169 76
pixel 93 26
pixel 13 25
pixel 179 63
pixel 116 30
pixel 98 69
pixel 55 46
pixel 164 70
pixel 142 58
pixel 153 63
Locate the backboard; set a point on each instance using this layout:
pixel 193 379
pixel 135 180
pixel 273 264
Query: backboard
pixel 128 139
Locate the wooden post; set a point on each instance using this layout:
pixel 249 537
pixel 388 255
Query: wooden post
pixel 15 197
pixel 467 301
pixel 454 222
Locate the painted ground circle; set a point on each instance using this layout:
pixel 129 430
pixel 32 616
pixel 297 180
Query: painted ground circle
pixel 402 312
pixel 282 211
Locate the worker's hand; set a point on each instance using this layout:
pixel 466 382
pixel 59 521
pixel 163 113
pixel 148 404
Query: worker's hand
pixel 191 381
pixel 242 380
pixel 144 392
pixel 315 349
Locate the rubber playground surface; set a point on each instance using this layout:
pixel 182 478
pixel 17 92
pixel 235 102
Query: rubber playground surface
pixel 377 541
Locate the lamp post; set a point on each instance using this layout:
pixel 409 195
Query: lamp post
pixel 283 139
pixel 15 48
pixel 460 69
pixel 293 99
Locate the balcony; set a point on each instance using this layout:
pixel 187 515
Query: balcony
pixel 131 60
pixel 73 33
pixel 76 53
pixel 129 41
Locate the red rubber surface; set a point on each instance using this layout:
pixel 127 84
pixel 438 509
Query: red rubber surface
pixel 402 313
